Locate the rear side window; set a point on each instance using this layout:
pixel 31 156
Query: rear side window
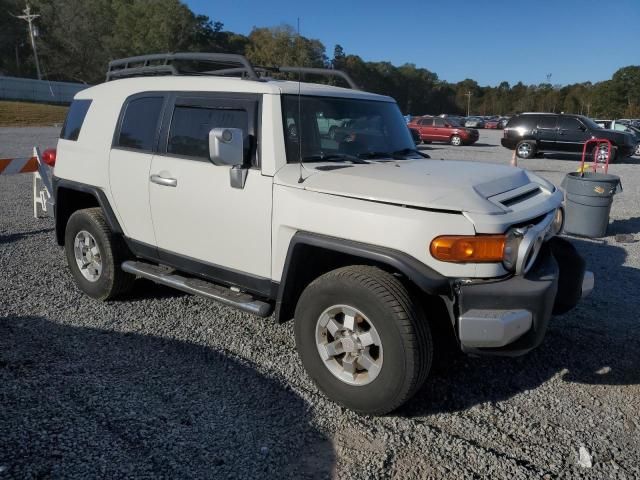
pixel 524 121
pixel 75 118
pixel 139 126
pixel 547 121
pixel 438 122
pixel 190 126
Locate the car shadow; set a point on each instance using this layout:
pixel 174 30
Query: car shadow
pixel 87 403
pixel 144 289
pixel 597 343
pixel 14 237
pixel 578 157
pixel 627 225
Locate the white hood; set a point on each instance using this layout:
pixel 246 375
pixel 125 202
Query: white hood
pixel 426 183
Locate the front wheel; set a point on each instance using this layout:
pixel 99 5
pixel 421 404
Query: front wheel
pixel 456 141
pixel 526 149
pixel 362 339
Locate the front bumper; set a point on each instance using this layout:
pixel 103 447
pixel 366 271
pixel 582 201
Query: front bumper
pixel 510 316
pixel 508 143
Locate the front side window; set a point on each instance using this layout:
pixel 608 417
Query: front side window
pixel 140 121
pixel 190 126
pixel 75 118
pixel 568 123
pixel 360 129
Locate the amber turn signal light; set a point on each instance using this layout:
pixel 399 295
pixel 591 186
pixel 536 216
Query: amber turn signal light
pixel 473 249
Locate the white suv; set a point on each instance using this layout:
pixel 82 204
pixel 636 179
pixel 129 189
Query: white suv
pixel 235 189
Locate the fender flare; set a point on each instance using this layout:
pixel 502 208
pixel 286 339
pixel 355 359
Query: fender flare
pixel 423 276
pixel 94 191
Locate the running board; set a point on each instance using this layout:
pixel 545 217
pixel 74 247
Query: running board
pixel 167 276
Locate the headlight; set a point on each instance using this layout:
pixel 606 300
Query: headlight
pixel 511 248
pixel 558 222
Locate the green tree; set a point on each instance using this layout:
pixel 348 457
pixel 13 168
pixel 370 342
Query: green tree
pixel 283 46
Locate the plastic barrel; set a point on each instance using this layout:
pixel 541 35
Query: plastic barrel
pixel 588 202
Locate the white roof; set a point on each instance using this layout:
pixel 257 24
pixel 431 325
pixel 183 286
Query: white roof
pixel 130 86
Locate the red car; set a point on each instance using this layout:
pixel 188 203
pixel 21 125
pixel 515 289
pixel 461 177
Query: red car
pixel 491 123
pixel 436 129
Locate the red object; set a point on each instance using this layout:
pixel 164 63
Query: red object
pixel 49 157
pixel 491 124
pixel 597 164
pixel 436 129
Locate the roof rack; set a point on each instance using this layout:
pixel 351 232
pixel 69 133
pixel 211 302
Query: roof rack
pixel 163 64
pixel 227 63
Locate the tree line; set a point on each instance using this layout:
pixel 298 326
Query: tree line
pixel 77 38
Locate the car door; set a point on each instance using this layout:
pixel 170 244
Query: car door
pixel 546 132
pixel 134 142
pixel 426 129
pixel 440 130
pixel 202 224
pixel 571 135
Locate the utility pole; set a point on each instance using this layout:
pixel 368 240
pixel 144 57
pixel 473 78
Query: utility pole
pixel 468 95
pixel 29 18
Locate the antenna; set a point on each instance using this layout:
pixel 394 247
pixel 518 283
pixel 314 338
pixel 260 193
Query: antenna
pixel 299 123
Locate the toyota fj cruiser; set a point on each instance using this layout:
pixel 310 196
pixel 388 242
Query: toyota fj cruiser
pixel 222 183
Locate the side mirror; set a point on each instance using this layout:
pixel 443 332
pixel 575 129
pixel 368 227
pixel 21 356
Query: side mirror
pixel 226 146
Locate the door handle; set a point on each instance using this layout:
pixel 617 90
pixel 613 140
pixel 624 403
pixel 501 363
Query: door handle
pixel 165 182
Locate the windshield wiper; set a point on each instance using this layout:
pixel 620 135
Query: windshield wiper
pixel 334 157
pixel 396 155
pixel 407 151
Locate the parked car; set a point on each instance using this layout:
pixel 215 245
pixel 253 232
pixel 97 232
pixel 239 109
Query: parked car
pixel 533 133
pixel 491 123
pixel 193 183
pixel 415 135
pixel 474 122
pixel 635 131
pixel 502 122
pixel 437 129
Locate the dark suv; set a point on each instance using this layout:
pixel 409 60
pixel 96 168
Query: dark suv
pixel 533 133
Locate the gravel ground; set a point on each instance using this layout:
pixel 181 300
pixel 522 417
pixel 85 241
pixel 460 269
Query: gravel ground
pixel 163 384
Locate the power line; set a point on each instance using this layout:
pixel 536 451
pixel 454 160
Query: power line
pixel 29 18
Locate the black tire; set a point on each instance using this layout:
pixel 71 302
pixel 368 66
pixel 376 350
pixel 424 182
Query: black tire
pixel 332 132
pixel 614 154
pixel 404 334
pixel 526 149
pixel 112 281
pixel 426 142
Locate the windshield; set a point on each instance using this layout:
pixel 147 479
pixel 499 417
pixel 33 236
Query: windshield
pixel 590 123
pixel 327 128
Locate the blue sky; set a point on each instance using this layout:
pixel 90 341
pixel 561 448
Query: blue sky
pixel 487 40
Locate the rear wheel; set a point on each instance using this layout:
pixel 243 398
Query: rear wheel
pixel 94 255
pixel 362 339
pixel 526 149
pixel 456 141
